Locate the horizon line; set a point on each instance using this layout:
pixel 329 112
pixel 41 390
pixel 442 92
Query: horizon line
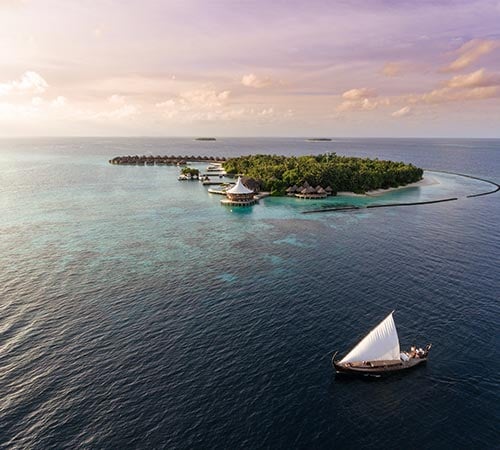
pixel 239 137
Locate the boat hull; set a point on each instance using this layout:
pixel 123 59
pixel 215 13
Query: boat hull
pixel 376 368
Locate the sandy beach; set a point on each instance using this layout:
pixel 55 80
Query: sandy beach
pixel 425 181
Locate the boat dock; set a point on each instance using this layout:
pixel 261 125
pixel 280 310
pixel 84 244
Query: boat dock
pixel 213 182
pixel 216 174
pixel 216 191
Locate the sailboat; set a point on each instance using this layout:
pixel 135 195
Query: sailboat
pixel 378 353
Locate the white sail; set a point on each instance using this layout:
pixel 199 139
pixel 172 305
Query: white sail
pixel 380 344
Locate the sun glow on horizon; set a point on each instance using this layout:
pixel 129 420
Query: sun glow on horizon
pixel 302 69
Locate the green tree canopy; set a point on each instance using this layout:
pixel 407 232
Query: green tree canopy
pixel 341 173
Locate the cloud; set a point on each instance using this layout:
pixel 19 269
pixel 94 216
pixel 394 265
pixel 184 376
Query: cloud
pixel 59 102
pixel 446 95
pixel 362 105
pixel 205 98
pixel 360 100
pixel 478 85
pixel 10 111
pixel 470 52
pixel 205 103
pixel 392 69
pixel 479 78
pixel 30 82
pixel 403 112
pixel 116 99
pixel 252 80
pixel 266 112
pixel 124 112
pixel 37 101
pixel 12 3
pixel 359 94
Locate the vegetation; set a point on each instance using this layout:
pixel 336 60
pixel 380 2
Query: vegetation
pixel 190 171
pixel 341 173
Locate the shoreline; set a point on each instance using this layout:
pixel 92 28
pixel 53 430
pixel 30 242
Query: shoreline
pixel 425 181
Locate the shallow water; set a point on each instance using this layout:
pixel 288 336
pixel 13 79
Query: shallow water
pixel 136 311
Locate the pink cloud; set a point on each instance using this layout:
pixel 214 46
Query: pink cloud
pixel 359 94
pixel 470 52
pixel 392 69
pixel 479 78
pixel 403 112
pixel 30 82
pixel 360 99
pixel 447 95
pixel 254 81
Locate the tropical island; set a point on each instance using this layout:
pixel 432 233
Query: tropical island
pixel 277 174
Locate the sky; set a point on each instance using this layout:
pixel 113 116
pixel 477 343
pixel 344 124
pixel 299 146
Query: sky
pixel 315 68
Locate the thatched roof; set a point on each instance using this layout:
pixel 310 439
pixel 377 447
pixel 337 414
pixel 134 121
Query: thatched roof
pixel 320 190
pixel 252 183
pixel 328 189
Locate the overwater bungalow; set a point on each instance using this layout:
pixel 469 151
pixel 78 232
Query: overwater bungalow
pixel 309 192
pixel 150 160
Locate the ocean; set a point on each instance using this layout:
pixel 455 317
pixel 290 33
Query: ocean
pixel 138 312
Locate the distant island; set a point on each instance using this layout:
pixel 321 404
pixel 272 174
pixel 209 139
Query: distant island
pixel 205 139
pixel 318 140
pixel 279 174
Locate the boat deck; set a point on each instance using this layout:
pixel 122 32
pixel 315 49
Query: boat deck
pixel 377 367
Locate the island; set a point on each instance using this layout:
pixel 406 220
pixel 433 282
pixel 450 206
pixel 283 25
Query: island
pixel 205 139
pixel 319 140
pixel 331 173
pixel 188 173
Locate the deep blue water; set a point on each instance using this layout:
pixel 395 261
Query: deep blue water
pixel 137 312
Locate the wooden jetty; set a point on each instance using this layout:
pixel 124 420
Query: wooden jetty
pixel 213 183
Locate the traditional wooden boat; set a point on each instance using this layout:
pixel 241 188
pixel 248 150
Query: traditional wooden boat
pixel 378 353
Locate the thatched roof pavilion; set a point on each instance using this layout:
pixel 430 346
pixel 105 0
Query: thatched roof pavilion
pixel 310 192
pixel 239 195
